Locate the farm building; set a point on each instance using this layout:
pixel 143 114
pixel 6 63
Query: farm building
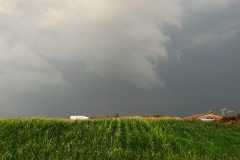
pixel 206 117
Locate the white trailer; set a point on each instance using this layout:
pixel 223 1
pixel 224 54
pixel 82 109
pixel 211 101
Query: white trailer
pixel 79 117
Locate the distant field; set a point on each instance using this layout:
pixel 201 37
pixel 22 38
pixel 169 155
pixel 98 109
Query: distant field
pixel 117 139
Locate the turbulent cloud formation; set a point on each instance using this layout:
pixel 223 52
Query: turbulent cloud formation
pixel 22 68
pixel 117 55
pixel 119 38
pixel 222 26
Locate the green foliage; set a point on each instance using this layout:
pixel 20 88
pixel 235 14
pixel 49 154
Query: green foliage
pixel 238 116
pixel 118 139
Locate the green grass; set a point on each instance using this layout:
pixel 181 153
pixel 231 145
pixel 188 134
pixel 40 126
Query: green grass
pixel 117 139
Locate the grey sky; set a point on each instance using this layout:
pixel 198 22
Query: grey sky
pixel 96 58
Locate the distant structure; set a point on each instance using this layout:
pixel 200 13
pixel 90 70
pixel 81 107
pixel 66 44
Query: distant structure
pixel 207 117
pixel 222 110
pixel 211 116
pixel 228 112
pixel 79 117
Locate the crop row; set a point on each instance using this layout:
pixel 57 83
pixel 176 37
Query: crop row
pixel 117 139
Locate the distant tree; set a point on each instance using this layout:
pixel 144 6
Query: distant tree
pixel 232 119
pixel 156 115
pixel 238 116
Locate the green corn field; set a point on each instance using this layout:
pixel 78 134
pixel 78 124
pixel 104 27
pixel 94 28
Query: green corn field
pixel 122 138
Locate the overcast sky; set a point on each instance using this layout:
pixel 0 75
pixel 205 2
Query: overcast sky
pixel 132 57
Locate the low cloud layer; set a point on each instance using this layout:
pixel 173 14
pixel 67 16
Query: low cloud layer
pixel 56 48
pixel 118 38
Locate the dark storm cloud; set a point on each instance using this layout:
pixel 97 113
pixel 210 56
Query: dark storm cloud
pixel 205 77
pixel 65 57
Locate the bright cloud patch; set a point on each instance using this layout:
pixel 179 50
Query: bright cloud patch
pixel 21 69
pixel 118 38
